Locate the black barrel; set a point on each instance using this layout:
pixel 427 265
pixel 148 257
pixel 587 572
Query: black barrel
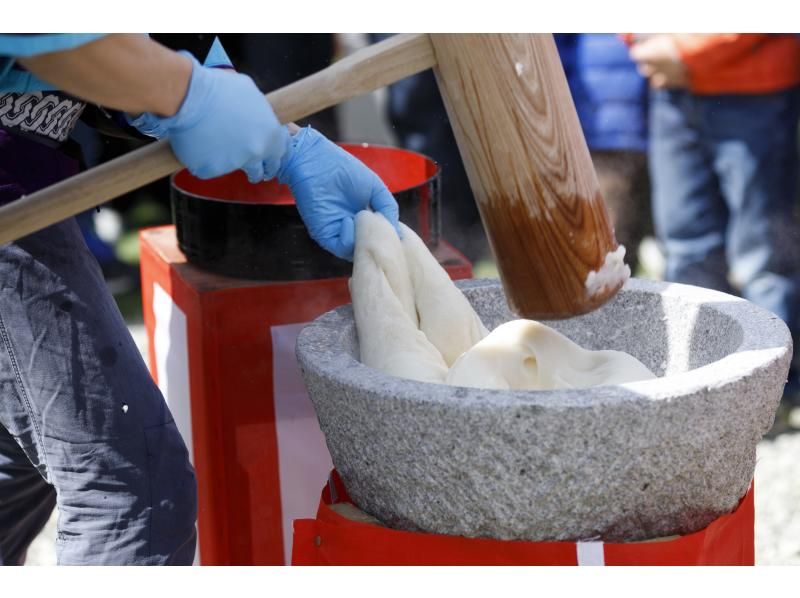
pixel 229 226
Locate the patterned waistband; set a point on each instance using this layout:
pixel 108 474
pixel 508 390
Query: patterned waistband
pixel 48 117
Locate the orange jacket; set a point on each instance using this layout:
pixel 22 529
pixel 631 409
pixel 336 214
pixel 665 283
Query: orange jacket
pixel 745 63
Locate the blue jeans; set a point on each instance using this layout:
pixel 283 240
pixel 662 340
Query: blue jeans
pixel 81 422
pixel 724 175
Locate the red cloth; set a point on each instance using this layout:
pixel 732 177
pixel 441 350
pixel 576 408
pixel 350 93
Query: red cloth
pixel 332 539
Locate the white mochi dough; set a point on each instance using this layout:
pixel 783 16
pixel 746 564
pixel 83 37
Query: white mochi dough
pixel 376 237
pixel 445 315
pixel 413 322
pixel 384 309
pixel 527 355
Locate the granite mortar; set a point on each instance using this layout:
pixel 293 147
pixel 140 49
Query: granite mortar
pixel 614 463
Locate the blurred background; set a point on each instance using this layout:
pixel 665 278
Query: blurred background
pixel 694 140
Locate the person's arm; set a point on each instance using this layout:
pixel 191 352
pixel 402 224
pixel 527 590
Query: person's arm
pixel 218 121
pixel 657 58
pixel 128 72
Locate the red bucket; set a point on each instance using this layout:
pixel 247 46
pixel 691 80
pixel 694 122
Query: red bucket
pixel 229 226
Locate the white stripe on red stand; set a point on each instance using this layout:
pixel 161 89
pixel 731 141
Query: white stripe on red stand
pixel 303 458
pixel 590 554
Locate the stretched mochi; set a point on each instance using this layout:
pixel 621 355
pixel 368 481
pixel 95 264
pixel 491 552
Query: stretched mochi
pixel 527 355
pixel 384 309
pixel 413 322
pixel 376 237
pixel 445 316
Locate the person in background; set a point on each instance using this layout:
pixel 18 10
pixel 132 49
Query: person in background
pixel 611 100
pixel 81 422
pixel 723 163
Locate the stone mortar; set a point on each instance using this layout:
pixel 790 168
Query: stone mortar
pixel 617 463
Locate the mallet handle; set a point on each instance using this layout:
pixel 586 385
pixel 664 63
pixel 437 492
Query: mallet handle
pixel 529 169
pixel 366 70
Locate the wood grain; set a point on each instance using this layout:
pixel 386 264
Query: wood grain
pixel 529 168
pixel 362 72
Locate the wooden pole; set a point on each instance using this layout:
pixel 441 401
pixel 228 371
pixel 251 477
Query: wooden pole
pixel 529 168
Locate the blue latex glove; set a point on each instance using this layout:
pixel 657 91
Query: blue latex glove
pixel 223 124
pixel 330 187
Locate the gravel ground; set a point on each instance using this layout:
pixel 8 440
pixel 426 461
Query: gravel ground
pixel 778 499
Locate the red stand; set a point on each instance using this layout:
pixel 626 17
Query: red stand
pixel 222 351
pixel 332 539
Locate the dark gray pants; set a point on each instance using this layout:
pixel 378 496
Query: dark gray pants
pixel 82 425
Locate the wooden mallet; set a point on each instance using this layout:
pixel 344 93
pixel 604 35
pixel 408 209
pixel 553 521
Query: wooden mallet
pixel 518 134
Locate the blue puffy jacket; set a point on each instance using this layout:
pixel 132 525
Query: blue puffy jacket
pixel 610 95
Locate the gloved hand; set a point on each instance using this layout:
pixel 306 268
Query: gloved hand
pixel 223 124
pixel 330 187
